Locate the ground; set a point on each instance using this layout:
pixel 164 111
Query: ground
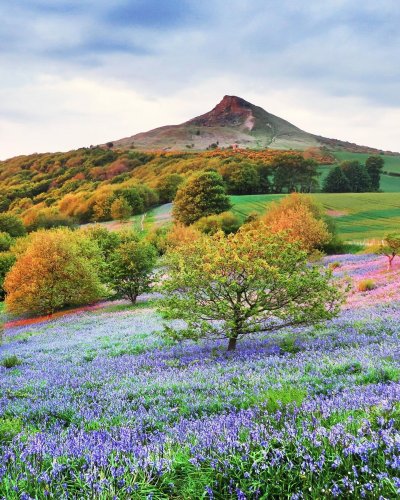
pixel 96 404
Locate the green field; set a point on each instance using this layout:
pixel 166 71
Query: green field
pixel 362 216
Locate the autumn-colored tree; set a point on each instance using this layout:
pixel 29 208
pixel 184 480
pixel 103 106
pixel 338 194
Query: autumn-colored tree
pixel 120 209
pixel 390 247
pixel 241 178
pixel 203 194
pixel 181 235
pixel 130 269
pixel 250 281
pixel 167 187
pixel 56 269
pixel 300 218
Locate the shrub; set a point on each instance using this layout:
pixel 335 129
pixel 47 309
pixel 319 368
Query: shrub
pixel 5 242
pixel 366 285
pixel 226 222
pixel 120 209
pixel 57 269
pixel 334 265
pixel 7 260
pixel 10 361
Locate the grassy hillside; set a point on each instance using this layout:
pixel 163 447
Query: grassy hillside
pixel 359 216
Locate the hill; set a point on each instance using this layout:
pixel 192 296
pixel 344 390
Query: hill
pixel 234 122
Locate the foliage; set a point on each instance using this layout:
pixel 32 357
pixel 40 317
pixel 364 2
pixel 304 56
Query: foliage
pixel 167 187
pixel 7 260
pixel 56 270
pixel 294 173
pixel 244 283
pixel 120 209
pixel 5 242
pixel 203 194
pixel 357 176
pixel 366 285
pixel 241 178
pixel 390 247
pixel 130 269
pixel 336 182
pixel 374 166
pixel 301 218
pixel 10 361
pixel 12 225
pixel 226 222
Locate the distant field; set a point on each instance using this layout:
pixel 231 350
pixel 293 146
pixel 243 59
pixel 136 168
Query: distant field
pixel 363 216
pixel 389 184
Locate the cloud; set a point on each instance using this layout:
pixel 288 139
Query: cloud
pixel 339 52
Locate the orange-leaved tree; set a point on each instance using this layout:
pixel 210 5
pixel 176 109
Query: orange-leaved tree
pixel 302 220
pixel 54 269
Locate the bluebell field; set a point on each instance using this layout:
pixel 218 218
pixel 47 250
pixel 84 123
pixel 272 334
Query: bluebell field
pixel 97 405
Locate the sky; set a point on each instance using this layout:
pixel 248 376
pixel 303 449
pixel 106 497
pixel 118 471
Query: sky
pixel 76 73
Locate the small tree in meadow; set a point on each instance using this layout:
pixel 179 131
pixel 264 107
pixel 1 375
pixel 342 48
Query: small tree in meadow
pixel 251 281
pixel 130 269
pixel 390 247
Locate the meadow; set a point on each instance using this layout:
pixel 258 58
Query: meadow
pixel 358 216
pixel 96 404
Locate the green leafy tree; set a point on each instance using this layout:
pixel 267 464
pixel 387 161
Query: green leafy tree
pixel 5 242
pixel 7 260
pixel 130 269
pixel 120 209
pixel 390 247
pixel 374 166
pixel 203 194
pixel 168 186
pixel 294 173
pixel 357 176
pixel 241 178
pixel 12 225
pixel 54 269
pixel 244 283
pixel 336 182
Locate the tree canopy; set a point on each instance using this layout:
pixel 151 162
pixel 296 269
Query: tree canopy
pixel 203 194
pixel 247 282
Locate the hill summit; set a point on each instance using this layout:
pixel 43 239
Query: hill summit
pixel 234 122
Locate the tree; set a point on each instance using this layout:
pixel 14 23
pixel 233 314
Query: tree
pixel 5 242
pixel 241 178
pixel 357 176
pixel 168 186
pixel 336 182
pixel 294 173
pixel 130 269
pixel 390 247
pixel 300 218
pixel 247 282
pixel 120 209
pixel 12 225
pixel 7 260
pixel 55 269
pixel 374 166
pixel 203 194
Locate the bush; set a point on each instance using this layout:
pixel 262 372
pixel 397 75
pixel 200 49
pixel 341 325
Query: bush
pixel 366 285
pixel 10 361
pixel 226 222
pixel 334 265
pixel 7 260
pixel 57 269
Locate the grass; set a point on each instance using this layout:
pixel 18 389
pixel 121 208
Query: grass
pixel 361 216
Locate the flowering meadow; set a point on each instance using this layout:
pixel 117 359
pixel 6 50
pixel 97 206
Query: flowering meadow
pixel 96 404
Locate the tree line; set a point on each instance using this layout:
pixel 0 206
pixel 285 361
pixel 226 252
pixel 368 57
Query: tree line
pixel 353 177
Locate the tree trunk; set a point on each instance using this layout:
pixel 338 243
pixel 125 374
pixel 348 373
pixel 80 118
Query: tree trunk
pixel 232 343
